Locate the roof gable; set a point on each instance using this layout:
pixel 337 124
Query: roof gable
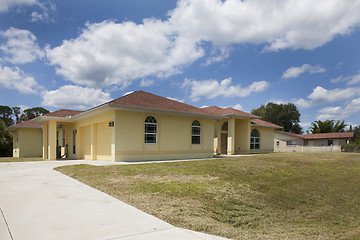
pixel 148 100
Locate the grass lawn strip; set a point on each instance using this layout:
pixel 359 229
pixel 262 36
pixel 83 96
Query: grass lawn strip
pixel 14 159
pixel 271 196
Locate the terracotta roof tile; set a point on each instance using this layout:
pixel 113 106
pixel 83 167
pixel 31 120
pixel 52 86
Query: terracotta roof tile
pixel 264 123
pixel 213 110
pixel 63 113
pixel 26 124
pixel 329 135
pixel 321 135
pixel 149 100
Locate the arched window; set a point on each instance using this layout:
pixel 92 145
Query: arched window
pixel 150 130
pixel 195 132
pixel 255 139
pixel 224 127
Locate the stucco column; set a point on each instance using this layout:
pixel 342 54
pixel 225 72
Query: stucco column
pixel 93 141
pixel 52 140
pixel 248 134
pixel 113 137
pixel 231 136
pixel 45 141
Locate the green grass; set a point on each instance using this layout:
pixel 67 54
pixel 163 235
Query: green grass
pixel 270 196
pixel 14 159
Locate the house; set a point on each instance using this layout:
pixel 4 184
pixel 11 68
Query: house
pixel 144 126
pixel 291 142
pixel 27 139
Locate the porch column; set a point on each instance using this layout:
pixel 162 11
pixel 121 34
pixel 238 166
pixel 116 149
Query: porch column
pixel 52 140
pixel 113 137
pixel 231 136
pixel 45 141
pixel 93 141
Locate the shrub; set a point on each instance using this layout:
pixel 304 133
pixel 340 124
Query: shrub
pixel 352 147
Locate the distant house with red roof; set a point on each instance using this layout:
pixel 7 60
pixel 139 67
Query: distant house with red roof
pixel 291 142
pixel 144 126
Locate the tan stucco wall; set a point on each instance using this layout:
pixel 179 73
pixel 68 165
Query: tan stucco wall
pixel 173 137
pixel 282 138
pixel 242 136
pixel 27 142
pixel 324 142
pixel 266 139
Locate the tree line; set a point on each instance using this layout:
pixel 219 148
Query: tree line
pixel 10 116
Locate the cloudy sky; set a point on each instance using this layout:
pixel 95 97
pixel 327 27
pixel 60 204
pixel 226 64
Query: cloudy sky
pixel 231 53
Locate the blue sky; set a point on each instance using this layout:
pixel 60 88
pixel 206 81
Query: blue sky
pixel 241 54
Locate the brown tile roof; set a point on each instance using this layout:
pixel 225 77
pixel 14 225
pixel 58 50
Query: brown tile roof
pixel 63 113
pixel 152 101
pixel 26 124
pixel 291 134
pixel 321 135
pixel 213 110
pixel 264 123
pixel 328 135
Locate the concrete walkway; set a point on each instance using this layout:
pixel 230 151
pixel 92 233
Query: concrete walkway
pixel 37 202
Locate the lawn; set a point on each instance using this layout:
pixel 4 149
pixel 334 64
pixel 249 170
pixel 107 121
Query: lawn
pixel 268 196
pixel 14 159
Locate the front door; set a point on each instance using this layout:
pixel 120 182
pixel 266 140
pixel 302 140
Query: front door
pixel 224 137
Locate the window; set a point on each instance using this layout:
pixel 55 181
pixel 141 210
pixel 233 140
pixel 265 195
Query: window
pixel 255 139
pixel 224 127
pixel 195 132
pixel 277 143
pixel 63 142
pixel 74 141
pixel 291 143
pixel 57 138
pixel 330 142
pixel 150 130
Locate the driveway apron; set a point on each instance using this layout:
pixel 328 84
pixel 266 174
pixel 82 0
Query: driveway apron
pixel 37 202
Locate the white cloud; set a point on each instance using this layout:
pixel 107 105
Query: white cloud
pixel 175 99
pixel 74 97
pixel 127 93
pixel 280 24
pixel 14 78
pixel 6 4
pixel 45 13
pixel 238 107
pixel 351 80
pixel 321 95
pixel 213 88
pixel 339 113
pixel 21 46
pixel 110 53
pixel 294 72
pixel 146 82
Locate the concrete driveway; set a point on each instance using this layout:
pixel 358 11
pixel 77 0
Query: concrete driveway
pixel 37 203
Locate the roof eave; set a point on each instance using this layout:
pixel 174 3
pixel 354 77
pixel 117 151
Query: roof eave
pixel 258 125
pixel 241 116
pixel 43 119
pixel 164 111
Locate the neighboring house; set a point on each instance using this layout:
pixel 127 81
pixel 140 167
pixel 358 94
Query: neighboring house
pixel 144 126
pixel 291 142
pixel 27 139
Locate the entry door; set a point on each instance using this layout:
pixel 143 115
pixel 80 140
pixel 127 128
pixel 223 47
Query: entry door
pixel 224 137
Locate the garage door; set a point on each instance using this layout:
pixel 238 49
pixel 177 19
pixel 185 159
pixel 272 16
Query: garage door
pixel 85 142
pixel 103 143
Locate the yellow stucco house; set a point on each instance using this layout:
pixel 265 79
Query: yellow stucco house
pixel 143 126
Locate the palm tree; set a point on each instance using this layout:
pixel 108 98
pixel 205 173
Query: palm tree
pixel 327 126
